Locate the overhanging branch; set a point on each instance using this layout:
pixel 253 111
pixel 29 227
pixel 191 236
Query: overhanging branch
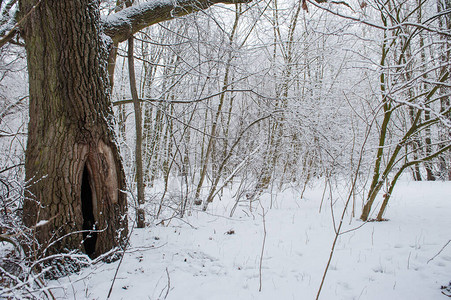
pixel 15 30
pixel 121 25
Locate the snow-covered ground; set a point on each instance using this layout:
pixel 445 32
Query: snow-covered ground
pixel 212 256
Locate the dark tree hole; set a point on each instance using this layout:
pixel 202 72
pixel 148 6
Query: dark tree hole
pixel 89 237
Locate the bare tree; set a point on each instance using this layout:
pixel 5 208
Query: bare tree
pixel 403 67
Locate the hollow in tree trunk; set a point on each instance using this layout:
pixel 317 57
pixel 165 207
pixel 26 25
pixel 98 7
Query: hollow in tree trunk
pixel 72 161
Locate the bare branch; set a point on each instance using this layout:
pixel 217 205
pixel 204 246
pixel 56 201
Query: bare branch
pixel 10 35
pixel 161 100
pixel 121 25
pixel 417 26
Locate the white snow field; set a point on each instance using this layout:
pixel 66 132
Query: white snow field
pixel 212 256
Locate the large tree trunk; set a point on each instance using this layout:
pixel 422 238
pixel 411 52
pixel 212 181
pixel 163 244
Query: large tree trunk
pixel 72 161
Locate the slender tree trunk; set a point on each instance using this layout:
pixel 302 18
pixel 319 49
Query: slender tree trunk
pixel 416 146
pixel 72 161
pixel 140 216
pixel 445 100
pixel 213 133
pixel 377 182
pixel 424 86
pixel 112 55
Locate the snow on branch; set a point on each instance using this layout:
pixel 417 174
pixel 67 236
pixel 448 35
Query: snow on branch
pixel 121 25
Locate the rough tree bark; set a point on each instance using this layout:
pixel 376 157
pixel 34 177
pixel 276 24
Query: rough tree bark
pixel 72 161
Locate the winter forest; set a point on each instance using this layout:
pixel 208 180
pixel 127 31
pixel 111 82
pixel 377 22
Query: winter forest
pixel 225 149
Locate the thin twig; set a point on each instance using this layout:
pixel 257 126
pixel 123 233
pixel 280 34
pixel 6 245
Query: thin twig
pixel 169 284
pixel 189 101
pixel 338 229
pixel 263 246
pixel 439 252
pixel 15 29
pixel 122 257
pixel 11 167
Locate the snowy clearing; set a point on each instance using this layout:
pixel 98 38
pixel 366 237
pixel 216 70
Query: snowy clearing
pixel 214 256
